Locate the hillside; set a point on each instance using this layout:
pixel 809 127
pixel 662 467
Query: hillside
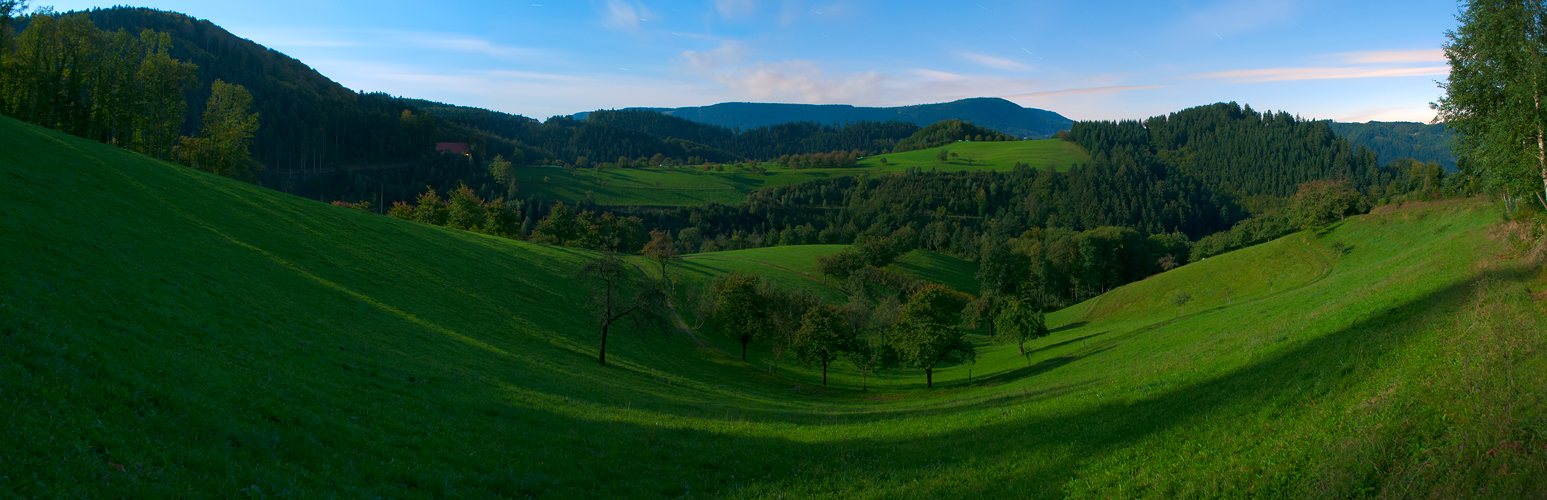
pixel 692 185
pixel 991 112
pixel 1393 140
pixel 242 341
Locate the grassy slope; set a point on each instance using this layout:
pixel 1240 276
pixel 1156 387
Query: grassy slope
pixel 659 186
pixel 997 156
pixel 693 186
pixel 216 339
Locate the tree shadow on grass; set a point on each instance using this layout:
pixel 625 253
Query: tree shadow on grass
pixel 1066 342
pixel 1069 326
pixel 947 459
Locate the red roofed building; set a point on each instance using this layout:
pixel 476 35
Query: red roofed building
pixel 454 147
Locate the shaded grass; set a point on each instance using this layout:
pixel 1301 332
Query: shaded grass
pixel 216 339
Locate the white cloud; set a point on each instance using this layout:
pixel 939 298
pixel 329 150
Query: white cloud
pixel 785 81
pixel 803 81
pixel 993 62
pixel 791 11
pixel 623 16
pixel 729 53
pixel 736 9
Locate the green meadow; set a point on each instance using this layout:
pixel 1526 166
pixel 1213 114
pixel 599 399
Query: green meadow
pixel 169 333
pixel 996 156
pixel 659 186
pixel 692 185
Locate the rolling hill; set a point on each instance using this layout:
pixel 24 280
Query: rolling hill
pixel 990 112
pixel 171 333
pixel 1393 140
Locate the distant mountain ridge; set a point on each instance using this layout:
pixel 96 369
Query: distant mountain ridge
pixel 988 112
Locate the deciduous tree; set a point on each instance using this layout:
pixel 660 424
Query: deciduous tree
pixel 612 281
pixel 926 332
pixel 661 249
pixel 1493 98
pixel 823 337
pixel 229 124
pixel 738 310
pixel 1017 324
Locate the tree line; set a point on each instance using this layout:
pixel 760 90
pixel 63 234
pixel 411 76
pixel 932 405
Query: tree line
pixel 121 88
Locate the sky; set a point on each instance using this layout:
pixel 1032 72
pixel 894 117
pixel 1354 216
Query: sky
pixel 1087 60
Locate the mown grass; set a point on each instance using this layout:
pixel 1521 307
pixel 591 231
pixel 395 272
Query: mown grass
pixel 166 333
pixel 691 185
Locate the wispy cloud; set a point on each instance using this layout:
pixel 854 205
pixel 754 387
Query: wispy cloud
pixel 1389 56
pixel 1229 17
pixel 1293 74
pixel 993 62
pixel 736 9
pixel 787 81
pixel 474 45
pixel 1089 90
pixel 729 53
pixel 802 81
pixel 623 16
pixel 291 38
pixel 938 75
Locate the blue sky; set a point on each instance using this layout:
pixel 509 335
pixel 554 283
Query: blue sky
pixel 1342 60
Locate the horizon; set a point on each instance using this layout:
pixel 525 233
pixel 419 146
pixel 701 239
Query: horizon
pixel 1313 59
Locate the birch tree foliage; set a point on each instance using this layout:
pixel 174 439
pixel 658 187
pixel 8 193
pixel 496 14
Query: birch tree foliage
pixel 1493 98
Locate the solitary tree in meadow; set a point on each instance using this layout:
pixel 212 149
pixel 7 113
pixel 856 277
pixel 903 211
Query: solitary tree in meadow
pixel 1017 324
pixel 926 332
pixel 823 337
pixel 738 308
pixel 661 249
pixel 1181 299
pixel 611 284
pixel 943 155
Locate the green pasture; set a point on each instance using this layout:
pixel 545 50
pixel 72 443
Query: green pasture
pixel 996 156
pixel 692 185
pixel 658 186
pixel 168 333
